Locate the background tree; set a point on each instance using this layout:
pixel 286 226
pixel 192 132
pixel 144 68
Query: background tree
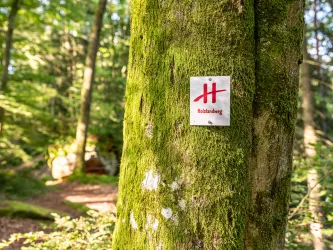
pixel 88 79
pixel 6 58
pixel 185 187
pixel 42 101
pixel 309 143
pixel 311 211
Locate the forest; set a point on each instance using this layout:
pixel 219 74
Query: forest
pixel 101 148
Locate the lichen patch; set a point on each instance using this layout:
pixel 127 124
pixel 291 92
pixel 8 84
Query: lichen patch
pixel 132 221
pixel 166 212
pixel 182 204
pixel 151 223
pixel 174 186
pixel 159 247
pixel 174 218
pixel 154 225
pixel 149 130
pixel 151 181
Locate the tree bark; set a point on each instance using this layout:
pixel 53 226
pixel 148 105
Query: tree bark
pixel 309 140
pixel 279 27
pixel 6 60
pixel 88 80
pixel 191 187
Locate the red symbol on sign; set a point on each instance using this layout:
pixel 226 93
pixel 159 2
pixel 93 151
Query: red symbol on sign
pixel 206 93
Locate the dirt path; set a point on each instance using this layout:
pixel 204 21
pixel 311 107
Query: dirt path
pixel 99 197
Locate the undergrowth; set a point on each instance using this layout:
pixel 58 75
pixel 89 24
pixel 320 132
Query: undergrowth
pixel 93 179
pixel 20 184
pixel 89 233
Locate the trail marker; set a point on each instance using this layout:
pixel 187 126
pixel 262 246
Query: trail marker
pixel 210 101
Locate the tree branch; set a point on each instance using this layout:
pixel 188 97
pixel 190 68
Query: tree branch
pixel 307 195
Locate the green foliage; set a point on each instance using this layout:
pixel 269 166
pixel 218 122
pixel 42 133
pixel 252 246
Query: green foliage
pixel 90 233
pixel 26 210
pixel 298 234
pixel 77 206
pixel 319 37
pixel 20 184
pixel 93 179
pixel 45 77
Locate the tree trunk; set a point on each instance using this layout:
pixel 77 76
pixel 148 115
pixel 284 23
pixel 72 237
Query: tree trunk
pixel 88 79
pixel 278 30
pixel 319 74
pixel 309 141
pixel 192 187
pixel 6 60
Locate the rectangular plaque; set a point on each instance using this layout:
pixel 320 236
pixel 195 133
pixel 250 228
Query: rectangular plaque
pixel 210 100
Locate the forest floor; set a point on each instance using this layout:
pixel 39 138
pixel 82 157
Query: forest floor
pixel 95 196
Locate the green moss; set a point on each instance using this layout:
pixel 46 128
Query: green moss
pixel 279 26
pixel 20 184
pixel 171 42
pixel 269 216
pixel 77 206
pixel 26 210
pixel 93 179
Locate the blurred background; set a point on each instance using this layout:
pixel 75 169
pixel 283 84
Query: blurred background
pixel 40 106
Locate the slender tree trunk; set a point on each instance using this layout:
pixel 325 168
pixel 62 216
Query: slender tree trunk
pixel 319 71
pixel 6 60
pixel 71 71
pixel 88 79
pixel 309 141
pixel 192 187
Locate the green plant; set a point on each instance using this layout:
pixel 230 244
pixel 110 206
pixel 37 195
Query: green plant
pixel 89 233
pixel 298 233
pixel 20 184
pixel 77 206
pixel 93 179
pixel 26 210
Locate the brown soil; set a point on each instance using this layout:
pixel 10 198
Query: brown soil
pixel 99 197
pixel 9 226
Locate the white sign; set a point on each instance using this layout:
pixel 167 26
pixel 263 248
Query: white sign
pixel 210 100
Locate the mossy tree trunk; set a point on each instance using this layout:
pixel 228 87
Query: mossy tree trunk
pixel 192 187
pixel 310 139
pixel 87 86
pixel 6 58
pixel 279 26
